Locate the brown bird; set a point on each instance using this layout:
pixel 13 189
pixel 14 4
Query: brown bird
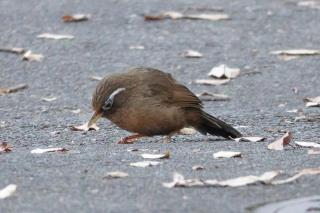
pixel 150 102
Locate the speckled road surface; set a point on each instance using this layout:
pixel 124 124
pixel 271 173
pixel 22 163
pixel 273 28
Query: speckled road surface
pixel 73 181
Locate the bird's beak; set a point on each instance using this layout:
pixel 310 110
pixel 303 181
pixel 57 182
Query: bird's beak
pixel 95 117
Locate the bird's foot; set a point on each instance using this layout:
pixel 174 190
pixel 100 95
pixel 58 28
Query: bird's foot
pixel 130 139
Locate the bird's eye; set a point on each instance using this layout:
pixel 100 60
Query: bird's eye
pixel 107 105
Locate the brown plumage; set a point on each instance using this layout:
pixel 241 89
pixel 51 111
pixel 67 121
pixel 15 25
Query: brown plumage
pixel 150 102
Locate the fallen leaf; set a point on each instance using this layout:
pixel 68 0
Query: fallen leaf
pixel 223 71
pixel 76 17
pixel 187 131
pixel 136 47
pixel 296 52
pixel 192 54
pixel 41 151
pixel 303 172
pixel 15 50
pixel 250 139
pixel 280 143
pixel 144 164
pixel 197 167
pixel 116 174
pixel 96 78
pixel 156 156
pixel 76 111
pixel 8 191
pixel 180 181
pixel 310 4
pixel 85 127
pixel 5 147
pixel 293 111
pixel 312 102
pixel 178 15
pixel 13 89
pixel 55 36
pixel 211 81
pixel 314 152
pixel 307 144
pixel 49 99
pixel 251 179
pixel 136 150
pixel 206 96
pixel 227 154
pixel 29 56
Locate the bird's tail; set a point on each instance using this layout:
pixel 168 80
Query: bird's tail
pixel 214 126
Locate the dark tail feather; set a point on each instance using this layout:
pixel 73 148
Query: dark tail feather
pixel 214 126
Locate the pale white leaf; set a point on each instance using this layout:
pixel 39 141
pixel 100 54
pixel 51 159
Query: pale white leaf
pixel 76 111
pixel 296 52
pixel 187 131
pixel 214 82
pixel 303 172
pixel 250 139
pixel 223 71
pixel 210 17
pixel 8 191
pixel 41 151
pixel 226 154
pixel 116 174
pixel 49 99
pixel 307 144
pixel 281 142
pixel 55 36
pixel 85 127
pixel 96 78
pixel 29 56
pixel 192 54
pixel 156 156
pixel 314 152
pixel 312 102
pixel 136 47
pixel 144 164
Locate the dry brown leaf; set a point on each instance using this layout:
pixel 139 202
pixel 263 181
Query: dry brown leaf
pixel 312 102
pixel 314 152
pixel 96 78
pixel 281 142
pixel 296 52
pixel 178 15
pixel 76 17
pixel 15 50
pixel 223 71
pixel 187 131
pixel 250 139
pixel 41 151
pixel 85 127
pixel 29 56
pixel 5 147
pixel 156 156
pixel 303 172
pixel 214 82
pixel 55 36
pixel 307 144
pixel 197 167
pixel 207 96
pixel 144 164
pixel 310 4
pixel 136 47
pixel 192 54
pixel 227 154
pixel 8 191
pixel 116 174
pixel 49 99
pixel 13 89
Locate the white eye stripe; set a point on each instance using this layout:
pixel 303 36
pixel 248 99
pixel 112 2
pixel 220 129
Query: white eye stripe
pixel 116 92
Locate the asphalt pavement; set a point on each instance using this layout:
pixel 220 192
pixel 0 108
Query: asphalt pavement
pixel 73 181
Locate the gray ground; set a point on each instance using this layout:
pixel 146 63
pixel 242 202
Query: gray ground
pixel 73 182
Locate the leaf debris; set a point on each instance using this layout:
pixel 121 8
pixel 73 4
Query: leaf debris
pixel 29 56
pixel 13 89
pixel 250 139
pixel 41 151
pixel 178 15
pixel 307 144
pixel 207 96
pixel 116 174
pixel 5 147
pixel 76 17
pixel 227 154
pixel 281 142
pixel 223 71
pixel 312 102
pixel 156 156
pixel 8 191
pixel 192 54
pixel 214 82
pixel 85 127
pixel 144 164
pixel 55 36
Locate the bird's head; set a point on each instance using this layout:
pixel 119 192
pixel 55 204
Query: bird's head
pixel 104 98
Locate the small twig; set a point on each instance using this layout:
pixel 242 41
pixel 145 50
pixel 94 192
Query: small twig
pixel 13 89
pixel 13 50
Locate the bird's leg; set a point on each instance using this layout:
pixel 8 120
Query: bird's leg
pixel 130 139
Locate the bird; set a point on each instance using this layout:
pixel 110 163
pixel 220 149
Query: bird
pixel 149 102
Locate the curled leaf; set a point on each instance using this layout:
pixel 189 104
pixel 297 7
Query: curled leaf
pixel 281 142
pixel 223 71
pixel 85 127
